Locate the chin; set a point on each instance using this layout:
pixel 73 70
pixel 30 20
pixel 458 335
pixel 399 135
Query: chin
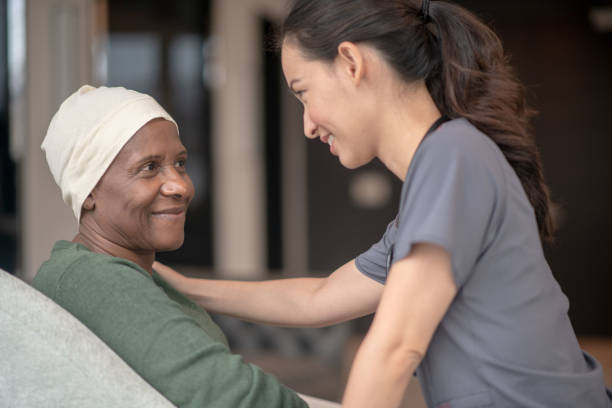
pixel 352 163
pixel 170 245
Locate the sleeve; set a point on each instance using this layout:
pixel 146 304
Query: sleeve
pixel 163 344
pixel 449 197
pixel 373 262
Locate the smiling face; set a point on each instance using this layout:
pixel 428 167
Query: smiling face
pixel 141 201
pixel 332 105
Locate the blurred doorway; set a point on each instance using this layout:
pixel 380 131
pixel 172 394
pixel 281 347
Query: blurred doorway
pixel 160 48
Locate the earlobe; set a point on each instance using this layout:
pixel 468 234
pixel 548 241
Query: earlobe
pixel 89 203
pixel 352 61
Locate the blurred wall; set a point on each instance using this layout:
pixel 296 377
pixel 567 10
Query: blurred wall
pixel 59 58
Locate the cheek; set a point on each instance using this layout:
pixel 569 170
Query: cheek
pixel 137 204
pixel 320 113
pixel 336 112
pixel 190 188
pixel 322 106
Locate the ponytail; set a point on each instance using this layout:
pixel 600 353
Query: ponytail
pixel 461 60
pixel 475 81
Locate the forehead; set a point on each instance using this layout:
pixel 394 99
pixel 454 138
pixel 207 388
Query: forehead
pixel 291 58
pixel 298 67
pixel 157 137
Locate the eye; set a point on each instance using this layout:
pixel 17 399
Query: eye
pixel 149 167
pixel 298 94
pixel 181 163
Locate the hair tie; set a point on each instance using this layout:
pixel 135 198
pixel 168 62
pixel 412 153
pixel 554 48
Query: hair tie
pixel 425 12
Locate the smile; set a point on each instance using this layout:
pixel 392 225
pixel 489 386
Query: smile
pixel 170 213
pixel 329 139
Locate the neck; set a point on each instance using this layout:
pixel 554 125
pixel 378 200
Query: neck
pixel 405 120
pixel 97 242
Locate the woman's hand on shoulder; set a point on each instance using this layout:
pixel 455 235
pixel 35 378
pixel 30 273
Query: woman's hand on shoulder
pixel 171 276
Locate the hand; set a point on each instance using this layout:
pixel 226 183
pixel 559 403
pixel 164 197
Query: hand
pixel 170 275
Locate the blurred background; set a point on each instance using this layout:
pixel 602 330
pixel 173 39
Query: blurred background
pixel 269 204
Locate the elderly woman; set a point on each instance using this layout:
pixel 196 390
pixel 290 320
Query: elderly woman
pixel 118 160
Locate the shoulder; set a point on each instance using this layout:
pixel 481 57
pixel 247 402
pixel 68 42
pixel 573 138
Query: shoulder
pixel 72 267
pixel 459 138
pixel 107 294
pixel 457 149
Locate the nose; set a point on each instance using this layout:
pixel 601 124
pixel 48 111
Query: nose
pixel 176 184
pixel 310 128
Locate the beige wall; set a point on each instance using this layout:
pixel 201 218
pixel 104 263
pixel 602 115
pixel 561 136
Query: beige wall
pixel 59 35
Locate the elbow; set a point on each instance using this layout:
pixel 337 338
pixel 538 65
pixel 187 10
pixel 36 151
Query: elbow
pixel 409 356
pixel 400 358
pixel 404 357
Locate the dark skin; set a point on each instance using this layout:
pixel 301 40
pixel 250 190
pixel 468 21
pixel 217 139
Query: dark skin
pixel 138 207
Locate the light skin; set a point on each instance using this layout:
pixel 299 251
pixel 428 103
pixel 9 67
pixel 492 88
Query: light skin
pixel 138 207
pixel 370 112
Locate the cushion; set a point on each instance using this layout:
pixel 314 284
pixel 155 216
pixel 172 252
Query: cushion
pixel 51 359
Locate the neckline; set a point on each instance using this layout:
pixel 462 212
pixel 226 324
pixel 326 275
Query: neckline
pixel 439 122
pixel 436 125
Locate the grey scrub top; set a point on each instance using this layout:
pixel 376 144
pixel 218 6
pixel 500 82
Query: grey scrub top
pixel 506 340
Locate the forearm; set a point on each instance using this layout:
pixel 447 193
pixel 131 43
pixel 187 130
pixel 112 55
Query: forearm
pixel 419 290
pixel 285 302
pixel 300 302
pixel 380 374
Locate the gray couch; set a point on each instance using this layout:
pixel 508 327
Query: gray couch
pixel 49 359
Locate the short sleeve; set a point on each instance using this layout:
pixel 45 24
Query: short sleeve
pixel 162 343
pixel 449 197
pixel 373 262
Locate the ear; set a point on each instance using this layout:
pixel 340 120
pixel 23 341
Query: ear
pixel 351 60
pixel 89 203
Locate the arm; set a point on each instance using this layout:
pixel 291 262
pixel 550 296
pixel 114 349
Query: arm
pixel 299 302
pixel 418 292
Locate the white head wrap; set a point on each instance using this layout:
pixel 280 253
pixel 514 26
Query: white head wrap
pixel 88 132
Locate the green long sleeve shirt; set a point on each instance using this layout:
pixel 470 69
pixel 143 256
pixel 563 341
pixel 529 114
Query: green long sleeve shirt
pixel 171 342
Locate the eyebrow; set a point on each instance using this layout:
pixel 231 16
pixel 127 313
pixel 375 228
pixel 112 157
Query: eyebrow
pixel 153 157
pixel 147 158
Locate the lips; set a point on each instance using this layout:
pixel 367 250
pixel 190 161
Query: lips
pixel 328 139
pixel 170 212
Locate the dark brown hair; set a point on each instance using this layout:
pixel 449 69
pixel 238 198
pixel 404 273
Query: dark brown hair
pixel 461 60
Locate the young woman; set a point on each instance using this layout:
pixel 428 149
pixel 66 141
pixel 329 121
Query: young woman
pixel 462 292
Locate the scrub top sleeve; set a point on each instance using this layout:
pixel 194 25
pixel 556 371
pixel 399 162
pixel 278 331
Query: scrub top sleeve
pixel 448 199
pixel 373 262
